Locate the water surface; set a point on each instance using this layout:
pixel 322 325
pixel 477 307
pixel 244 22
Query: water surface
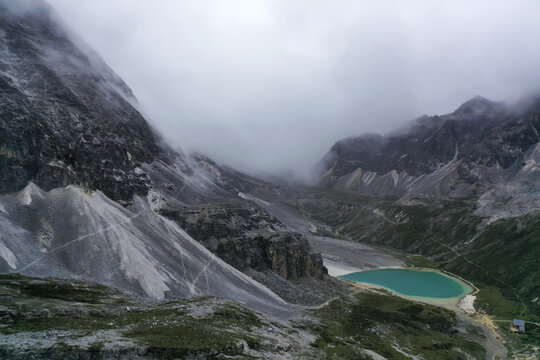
pixel 418 283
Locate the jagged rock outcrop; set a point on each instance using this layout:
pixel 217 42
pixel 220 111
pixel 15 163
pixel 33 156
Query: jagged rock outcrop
pixel 219 221
pixel 458 154
pixel 295 259
pixel 249 238
pixel 287 254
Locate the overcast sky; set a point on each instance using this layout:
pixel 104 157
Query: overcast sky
pixel 271 85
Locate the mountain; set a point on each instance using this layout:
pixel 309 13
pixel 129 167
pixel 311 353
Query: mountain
pixel 114 244
pixel 459 192
pixel 482 146
pixel 89 190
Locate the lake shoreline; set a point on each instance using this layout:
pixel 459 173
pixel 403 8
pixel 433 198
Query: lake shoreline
pixel 379 273
pixel 464 319
pixel 447 303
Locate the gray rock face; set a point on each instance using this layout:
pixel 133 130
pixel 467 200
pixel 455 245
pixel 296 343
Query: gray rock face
pixel 66 118
pixel 70 233
pixel 248 237
pixel 458 154
pixel 518 194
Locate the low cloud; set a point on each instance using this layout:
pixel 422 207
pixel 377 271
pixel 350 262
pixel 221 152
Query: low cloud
pixel 270 85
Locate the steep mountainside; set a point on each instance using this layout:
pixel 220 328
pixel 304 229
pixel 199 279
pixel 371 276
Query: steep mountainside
pixel 65 115
pixel 87 187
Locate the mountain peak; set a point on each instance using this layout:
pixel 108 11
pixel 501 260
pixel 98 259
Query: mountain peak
pixel 26 7
pixel 478 105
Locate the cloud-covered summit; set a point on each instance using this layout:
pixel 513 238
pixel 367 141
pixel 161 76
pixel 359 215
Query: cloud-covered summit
pixel 271 85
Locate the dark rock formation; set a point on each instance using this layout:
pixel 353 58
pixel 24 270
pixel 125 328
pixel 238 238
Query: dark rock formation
pixel 248 237
pixel 287 254
pixel 218 221
pixel 65 117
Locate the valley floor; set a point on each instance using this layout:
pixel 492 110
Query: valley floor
pixel 344 256
pixel 53 319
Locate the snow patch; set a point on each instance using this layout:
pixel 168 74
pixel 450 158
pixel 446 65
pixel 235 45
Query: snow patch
pixel 155 199
pixel 368 177
pixel 26 198
pixel 373 355
pixel 531 164
pixel 57 163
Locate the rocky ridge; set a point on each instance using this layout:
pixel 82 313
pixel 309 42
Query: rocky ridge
pixel 249 238
pixel 481 145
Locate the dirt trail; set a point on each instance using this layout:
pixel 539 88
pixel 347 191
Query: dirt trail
pixel 492 342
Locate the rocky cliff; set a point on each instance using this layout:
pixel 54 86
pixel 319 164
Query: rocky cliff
pixel 248 237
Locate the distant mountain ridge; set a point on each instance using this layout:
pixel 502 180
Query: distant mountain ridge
pixel 481 145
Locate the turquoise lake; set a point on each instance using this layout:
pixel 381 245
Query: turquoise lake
pixel 419 283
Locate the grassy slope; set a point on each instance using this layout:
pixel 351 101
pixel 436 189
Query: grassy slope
pixel 212 327
pixel 503 258
pixel 166 329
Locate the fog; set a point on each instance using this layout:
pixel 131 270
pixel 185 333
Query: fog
pixel 269 86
